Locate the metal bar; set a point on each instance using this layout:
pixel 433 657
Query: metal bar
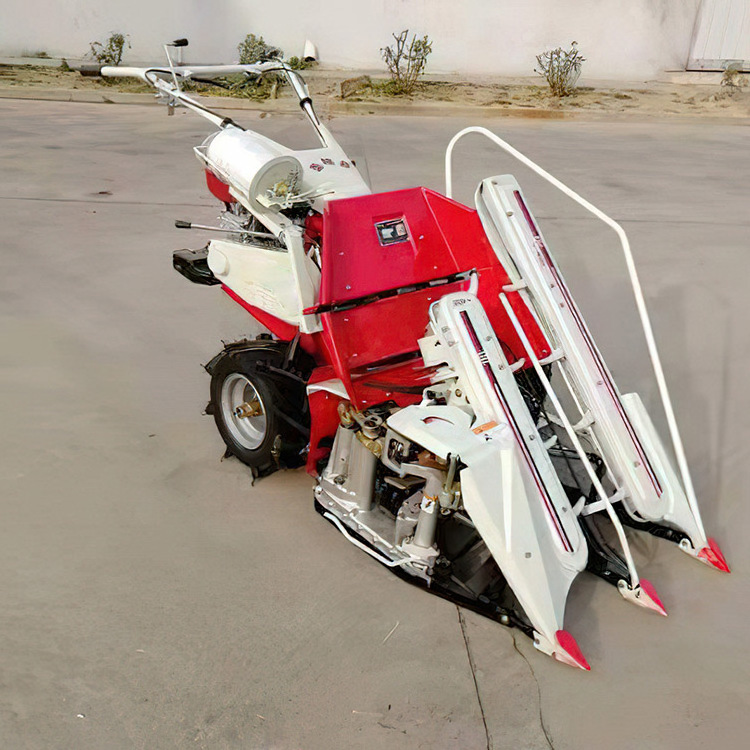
pixel 574 439
pixel 333 307
pixel 640 301
pixel 189 225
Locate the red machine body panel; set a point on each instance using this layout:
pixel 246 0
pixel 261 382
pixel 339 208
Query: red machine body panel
pixel 218 188
pixel 389 241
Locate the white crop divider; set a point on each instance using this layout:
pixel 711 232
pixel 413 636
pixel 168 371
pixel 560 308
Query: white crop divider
pixel 600 491
pixel 640 302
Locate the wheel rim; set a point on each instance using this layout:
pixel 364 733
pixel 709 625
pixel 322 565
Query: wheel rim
pixel 243 411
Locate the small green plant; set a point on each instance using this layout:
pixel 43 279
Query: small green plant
pixel 561 69
pixel 253 49
pixel 297 63
pixel 64 67
pixel 406 61
pixel 732 80
pixel 110 52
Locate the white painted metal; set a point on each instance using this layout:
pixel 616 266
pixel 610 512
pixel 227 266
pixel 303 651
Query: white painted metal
pixel 509 487
pixel 264 278
pixel 380 558
pixel 259 169
pixel 264 177
pixel 263 173
pixel 236 391
pixel 334 386
pixel 722 35
pixel 637 462
pixel 573 437
pixel 639 299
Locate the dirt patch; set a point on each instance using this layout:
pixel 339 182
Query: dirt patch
pixel 659 99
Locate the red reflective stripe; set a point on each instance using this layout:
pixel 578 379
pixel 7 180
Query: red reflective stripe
pixel 590 344
pixel 549 505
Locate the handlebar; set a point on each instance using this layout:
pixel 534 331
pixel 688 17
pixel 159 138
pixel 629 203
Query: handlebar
pixel 166 80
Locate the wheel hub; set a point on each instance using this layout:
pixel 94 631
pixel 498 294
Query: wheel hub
pixel 243 411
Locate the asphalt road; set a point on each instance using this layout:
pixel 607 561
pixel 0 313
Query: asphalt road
pixel 150 597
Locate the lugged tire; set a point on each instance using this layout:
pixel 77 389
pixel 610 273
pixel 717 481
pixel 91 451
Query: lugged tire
pixel 280 437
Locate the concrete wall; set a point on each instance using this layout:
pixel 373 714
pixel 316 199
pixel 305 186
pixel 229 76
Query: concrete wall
pixel 621 39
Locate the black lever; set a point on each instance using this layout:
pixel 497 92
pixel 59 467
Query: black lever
pixel 179 43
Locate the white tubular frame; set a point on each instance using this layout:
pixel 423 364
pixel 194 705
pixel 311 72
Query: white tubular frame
pixel 640 302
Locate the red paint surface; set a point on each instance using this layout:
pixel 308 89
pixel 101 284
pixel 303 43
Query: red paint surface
pixel 650 591
pixel 714 556
pixel 571 649
pixel 279 328
pixel 402 383
pixel 218 188
pixel 445 238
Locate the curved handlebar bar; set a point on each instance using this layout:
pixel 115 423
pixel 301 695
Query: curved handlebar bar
pixel 166 81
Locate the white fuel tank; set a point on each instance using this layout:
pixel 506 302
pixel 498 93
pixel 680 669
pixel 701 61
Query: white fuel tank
pixel 255 166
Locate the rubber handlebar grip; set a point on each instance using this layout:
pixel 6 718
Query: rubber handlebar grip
pixel 90 69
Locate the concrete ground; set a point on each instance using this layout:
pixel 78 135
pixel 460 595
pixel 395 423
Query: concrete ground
pixel 150 597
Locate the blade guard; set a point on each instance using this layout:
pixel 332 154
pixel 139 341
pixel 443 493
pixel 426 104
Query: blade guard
pixel 509 486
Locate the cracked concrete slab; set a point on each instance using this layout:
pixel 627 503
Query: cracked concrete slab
pixel 152 598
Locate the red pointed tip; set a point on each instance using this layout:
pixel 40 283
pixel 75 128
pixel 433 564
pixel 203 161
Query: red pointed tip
pixel 569 653
pixel 650 591
pixel 714 556
pixel 719 554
